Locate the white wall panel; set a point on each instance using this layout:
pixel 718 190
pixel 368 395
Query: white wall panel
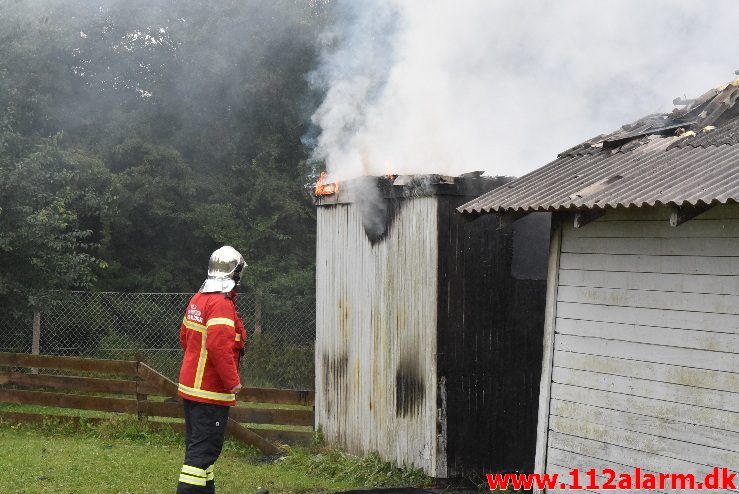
pixel 646 344
pixel 376 334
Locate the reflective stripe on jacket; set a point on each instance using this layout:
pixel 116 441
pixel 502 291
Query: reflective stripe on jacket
pixel 212 336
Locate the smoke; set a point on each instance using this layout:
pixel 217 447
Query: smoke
pixel 201 77
pixel 503 86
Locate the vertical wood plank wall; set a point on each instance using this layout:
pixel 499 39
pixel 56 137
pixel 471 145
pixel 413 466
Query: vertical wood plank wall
pixel 376 334
pixel 646 349
pixel 491 318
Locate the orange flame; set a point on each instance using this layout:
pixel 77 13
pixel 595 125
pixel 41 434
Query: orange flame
pixel 324 189
pixel 389 172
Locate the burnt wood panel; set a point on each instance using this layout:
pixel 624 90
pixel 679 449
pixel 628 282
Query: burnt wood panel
pixel 490 338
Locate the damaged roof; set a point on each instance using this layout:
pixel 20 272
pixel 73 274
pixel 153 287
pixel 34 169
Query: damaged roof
pixel 359 189
pixel 687 157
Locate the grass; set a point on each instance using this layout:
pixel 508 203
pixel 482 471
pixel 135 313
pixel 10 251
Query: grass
pixel 75 412
pixel 123 456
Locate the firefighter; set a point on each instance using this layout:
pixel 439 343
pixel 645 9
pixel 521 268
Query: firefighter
pixel 212 336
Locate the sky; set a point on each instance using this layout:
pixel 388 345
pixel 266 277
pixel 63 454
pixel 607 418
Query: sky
pixel 434 86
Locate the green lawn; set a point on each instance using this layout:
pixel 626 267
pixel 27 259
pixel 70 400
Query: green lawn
pixel 124 457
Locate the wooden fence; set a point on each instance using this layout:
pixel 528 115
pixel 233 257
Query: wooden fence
pixel 129 387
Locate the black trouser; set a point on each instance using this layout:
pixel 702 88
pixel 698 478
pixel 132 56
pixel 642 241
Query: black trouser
pixel 205 428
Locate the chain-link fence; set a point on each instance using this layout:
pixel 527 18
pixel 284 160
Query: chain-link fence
pixel 116 325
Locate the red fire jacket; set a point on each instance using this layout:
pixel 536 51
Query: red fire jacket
pixel 212 335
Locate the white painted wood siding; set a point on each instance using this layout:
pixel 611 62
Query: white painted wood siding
pixel 376 323
pixel 645 367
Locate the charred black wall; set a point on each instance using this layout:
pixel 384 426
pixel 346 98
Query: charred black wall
pixel 492 288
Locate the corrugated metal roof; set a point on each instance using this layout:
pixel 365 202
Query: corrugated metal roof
pixel 632 169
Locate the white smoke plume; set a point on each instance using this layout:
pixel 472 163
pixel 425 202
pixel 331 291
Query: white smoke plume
pixel 439 86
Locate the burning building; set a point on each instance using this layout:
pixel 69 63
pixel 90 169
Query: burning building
pixel 641 353
pixel 429 324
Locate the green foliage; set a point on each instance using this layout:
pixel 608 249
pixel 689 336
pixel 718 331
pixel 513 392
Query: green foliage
pixel 52 202
pixel 149 240
pixel 182 127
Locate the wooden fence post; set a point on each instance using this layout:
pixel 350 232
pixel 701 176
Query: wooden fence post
pixel 36 342
pixel 140 397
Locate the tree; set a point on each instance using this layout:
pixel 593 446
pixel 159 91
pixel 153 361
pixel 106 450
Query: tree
pixel 52 205
pixel 196 109
pixel 150 241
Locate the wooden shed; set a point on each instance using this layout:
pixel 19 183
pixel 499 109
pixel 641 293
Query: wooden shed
pixel 429 326
pixel 641 353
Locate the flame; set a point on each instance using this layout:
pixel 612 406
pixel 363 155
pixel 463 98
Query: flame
pixel 326 189
pixel 389 172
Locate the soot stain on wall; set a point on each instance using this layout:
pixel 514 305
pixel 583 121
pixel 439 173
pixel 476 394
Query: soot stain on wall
pixel 378 204
pixel 378 217
pixel 410 388
pixel 334 378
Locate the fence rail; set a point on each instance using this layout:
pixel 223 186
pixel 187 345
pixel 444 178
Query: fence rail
pixel 122 326
pixel 143 383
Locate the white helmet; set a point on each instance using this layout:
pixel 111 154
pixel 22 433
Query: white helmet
pixel 224 270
